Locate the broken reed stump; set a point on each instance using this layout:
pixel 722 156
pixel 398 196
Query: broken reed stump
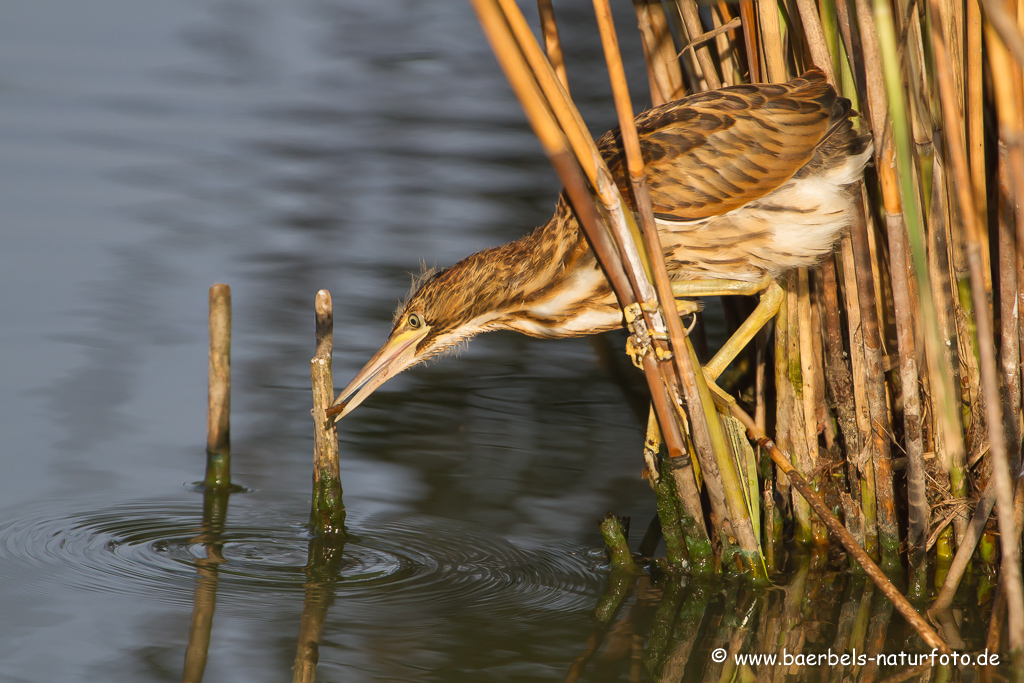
pixel 218 413
pixel 327 514
pixel 613 530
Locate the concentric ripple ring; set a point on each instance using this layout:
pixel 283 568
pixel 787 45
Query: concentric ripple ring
pixel 158 548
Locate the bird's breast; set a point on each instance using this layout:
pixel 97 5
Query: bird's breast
pixel 792 227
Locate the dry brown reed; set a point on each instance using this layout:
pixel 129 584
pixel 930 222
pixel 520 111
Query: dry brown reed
pixel 218 411
pixel 327 513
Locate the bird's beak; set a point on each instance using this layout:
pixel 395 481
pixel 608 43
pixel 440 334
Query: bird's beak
pixel 396 355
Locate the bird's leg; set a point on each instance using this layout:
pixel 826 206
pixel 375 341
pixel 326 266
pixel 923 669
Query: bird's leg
pixel 722 287
pixel 687 290
pixel 766 309
pixel 771 299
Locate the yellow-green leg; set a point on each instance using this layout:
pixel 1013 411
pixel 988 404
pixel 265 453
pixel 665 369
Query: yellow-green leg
pixel 771 299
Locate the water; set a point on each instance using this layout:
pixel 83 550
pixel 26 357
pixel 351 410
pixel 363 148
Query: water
pixel 148 150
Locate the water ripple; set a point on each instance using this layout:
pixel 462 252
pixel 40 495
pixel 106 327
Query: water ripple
pixel 158 548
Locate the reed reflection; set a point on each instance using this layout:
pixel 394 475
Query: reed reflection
pixel 825 623
pixel 322 570
pixel 211 535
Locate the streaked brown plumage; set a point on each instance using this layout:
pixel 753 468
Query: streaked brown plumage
pixel 746 182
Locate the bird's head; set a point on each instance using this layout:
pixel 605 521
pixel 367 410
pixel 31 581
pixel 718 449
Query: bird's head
pixel 444 309
pixel 542 285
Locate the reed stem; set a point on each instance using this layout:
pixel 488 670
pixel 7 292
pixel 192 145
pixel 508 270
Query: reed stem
pixel 815 35
pixel 691 20
pixel 218 413
pixel 982 511
pixel 327 514
pixel 614 533
pixel 666 74
pixel 552 41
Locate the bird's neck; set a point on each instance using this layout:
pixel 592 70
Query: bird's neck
pixel 546 284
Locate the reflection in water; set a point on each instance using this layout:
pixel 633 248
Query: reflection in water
pixel 674 629
pixel 322 571
pixel 215 509
pixel 315 604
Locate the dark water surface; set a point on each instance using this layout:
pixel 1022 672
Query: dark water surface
pixel 149 149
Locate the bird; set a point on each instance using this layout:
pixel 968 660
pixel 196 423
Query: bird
pixel 747 182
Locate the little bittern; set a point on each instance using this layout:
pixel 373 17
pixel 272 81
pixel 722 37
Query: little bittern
pixel 747 182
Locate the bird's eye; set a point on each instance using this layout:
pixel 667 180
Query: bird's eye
pixel 415 321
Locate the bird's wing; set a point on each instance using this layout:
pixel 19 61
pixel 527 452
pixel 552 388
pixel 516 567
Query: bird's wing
pixel 716 151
